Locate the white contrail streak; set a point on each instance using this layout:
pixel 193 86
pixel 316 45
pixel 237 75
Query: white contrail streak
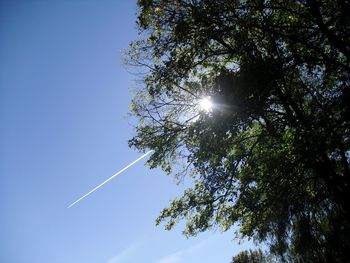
pixel 110 178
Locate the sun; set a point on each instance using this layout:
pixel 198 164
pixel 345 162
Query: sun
pixel 205 104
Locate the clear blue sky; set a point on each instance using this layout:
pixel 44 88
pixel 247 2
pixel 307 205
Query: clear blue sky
pixel 64 96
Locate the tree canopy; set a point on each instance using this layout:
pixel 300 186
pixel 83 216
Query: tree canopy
pixel 272 154
pixel 252 256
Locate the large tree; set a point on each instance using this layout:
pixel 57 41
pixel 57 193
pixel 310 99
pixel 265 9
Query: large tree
pixel 272 154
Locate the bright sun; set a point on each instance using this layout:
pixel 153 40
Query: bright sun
pixel 205 104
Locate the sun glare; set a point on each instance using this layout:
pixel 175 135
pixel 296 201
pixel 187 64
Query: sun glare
pixel 205 104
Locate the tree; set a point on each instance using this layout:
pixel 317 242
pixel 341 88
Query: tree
pixel 272 155
pixel 252 256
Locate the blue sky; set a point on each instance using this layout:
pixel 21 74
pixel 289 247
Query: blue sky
pixel 64 96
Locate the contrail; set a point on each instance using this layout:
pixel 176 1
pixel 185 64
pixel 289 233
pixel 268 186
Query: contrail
pixel 110 178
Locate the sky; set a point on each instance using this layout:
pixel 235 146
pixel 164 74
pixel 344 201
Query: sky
pixel 64 97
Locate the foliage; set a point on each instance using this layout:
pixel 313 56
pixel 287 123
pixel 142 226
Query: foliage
pixel 273 153
pixel 252 256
